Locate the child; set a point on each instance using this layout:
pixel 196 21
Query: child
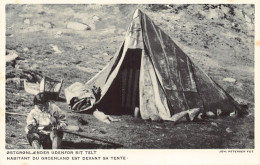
pixel 45 123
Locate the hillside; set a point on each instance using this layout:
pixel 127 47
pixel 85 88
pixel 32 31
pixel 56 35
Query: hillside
pixel 218 38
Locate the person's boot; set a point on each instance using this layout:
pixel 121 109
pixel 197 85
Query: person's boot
pixel 36 144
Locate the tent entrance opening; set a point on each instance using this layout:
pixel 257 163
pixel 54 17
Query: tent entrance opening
pixel 123 94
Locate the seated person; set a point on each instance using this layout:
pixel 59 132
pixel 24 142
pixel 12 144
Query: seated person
pixel 45 123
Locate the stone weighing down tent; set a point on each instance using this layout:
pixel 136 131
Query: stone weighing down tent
pixel 151 72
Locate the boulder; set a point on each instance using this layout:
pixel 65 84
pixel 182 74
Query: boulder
pixel 78 26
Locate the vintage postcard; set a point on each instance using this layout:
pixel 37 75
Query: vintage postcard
pixel 132 82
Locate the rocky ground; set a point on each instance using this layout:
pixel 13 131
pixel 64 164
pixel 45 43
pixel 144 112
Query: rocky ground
pixel 74 42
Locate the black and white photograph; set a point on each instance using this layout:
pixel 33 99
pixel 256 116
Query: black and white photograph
pixel 95 77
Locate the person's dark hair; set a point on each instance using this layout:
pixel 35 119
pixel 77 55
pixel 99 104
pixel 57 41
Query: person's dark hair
pixel 40 98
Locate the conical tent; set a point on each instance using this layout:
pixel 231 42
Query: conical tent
pixel 152 73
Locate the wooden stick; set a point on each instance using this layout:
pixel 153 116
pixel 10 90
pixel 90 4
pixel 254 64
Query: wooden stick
pixel 13 113
pixel 73 133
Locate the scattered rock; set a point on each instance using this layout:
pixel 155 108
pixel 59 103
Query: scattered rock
pixel 59 32
pixel 96 18
pixel 210 114
pixel 27 21
pixel 12 135
pixel 214 124
pixel 77 62
pixel 200 116
pixel 10 57
pixel 192 113
pixel 78 26
pixel 64 62
pixel 229 79
pixel 157 127
pixel 233 114
pixel 56 49
pixel 105 54
pixel 48 25
pixel 25 49
pixel 80 47
pixel 219 112
pixel 9 35
pixel 228 130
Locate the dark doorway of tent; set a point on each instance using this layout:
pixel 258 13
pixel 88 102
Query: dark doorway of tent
pixel 122 96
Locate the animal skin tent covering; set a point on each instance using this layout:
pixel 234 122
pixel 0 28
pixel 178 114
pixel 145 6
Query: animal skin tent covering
pixel 151 72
